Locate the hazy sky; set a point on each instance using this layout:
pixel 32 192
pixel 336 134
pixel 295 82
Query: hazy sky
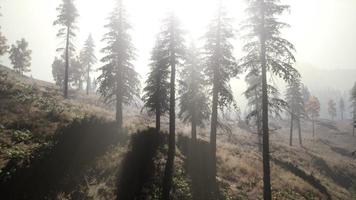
pixel 324 31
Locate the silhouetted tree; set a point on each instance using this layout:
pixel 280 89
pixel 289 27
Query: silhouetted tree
pixel 118 81
pixel 3 41
pixel 156 92
pixel 220 67
pixel 172 37
pixel 88 59
pixel 193 103
pixel 173 50
pixel 267 49
pixel 332 109
pixel 20 56
pixel 342 108
pixel 312 108
pixel 295 102
pixel 66 19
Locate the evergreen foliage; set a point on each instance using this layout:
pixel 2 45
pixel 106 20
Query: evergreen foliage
pixel 66 20
pixel 267 50
pixel 193 101
pixel 118 82
pixel 156 92
pixel 88 59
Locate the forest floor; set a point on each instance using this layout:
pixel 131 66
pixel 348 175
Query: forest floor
pixel 68 149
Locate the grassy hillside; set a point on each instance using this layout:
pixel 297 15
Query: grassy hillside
pixel 69 149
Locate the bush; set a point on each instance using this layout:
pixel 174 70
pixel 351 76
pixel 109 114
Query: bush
pixel 21 136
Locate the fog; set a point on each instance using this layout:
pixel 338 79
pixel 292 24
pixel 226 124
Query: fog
pixel 323 32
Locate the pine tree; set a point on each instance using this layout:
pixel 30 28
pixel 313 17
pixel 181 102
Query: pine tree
pixel 193 103
pixel 118 81
pixel 254 101
pixel 88 59
pixel 156 92
pixel 66 19
pixel 268 50
pixel 342 108
pixel 332 109
pixel 173 51
pixel 20 56
pixel 220 68
pixel 295 102
pixel 3 41
pixel 312 108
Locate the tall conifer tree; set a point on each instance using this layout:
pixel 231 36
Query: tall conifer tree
pixel 66 19
pixel 268 50
pixel 156 92
pixel 173 51
pixel 295 102
pixel 194 108
pixel 119 83
pixel 88 59
pixel 220 68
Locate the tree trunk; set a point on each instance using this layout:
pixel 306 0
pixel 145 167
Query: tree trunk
pixel 267 194
pixel 158 120
pixel 119 97
pixel 119 110
pixel 88 80
pixel 194 130
pixel 66 70
pixel 168 172
pixel 291 130
pixel 214 122
pixel 300 132
pixel 354 123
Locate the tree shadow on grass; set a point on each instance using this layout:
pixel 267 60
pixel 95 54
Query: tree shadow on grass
pixel 59 168
pixel 138 168
pixel 306 177
pixel 199 167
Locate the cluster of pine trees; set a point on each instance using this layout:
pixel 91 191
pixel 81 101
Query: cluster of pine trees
pixel 200 76
pixel 71 69
pixel 197 79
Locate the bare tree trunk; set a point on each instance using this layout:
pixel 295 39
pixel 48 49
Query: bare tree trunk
pixel 214 114
pixel 267 194
pixel 354 123
pixel 168 172
pixel 158 120
pixel 300 132
pixel 66 70
pixel 88 80
pixel 194 130
pixel 119 110
pixel 119 97
pixel 291 130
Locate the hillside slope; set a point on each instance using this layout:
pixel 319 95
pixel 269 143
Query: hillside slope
pixel 69 149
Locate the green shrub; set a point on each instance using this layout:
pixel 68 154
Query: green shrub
pixel 21 136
